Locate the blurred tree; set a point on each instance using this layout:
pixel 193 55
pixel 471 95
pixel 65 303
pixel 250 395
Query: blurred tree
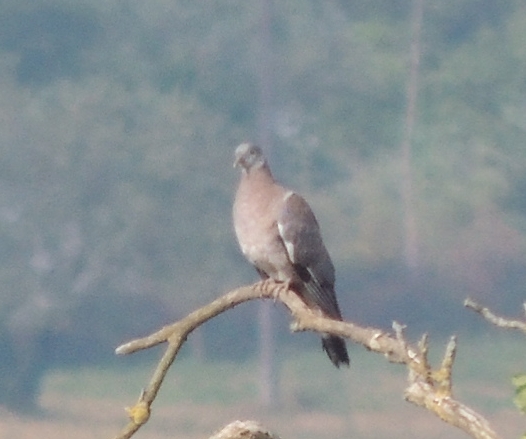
pixel 117 124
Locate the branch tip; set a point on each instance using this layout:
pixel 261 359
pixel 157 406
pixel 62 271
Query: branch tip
pixel 494 319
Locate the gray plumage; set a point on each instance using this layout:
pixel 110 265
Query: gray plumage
pixel 278 233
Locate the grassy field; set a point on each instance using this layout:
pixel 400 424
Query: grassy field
pixel 317 401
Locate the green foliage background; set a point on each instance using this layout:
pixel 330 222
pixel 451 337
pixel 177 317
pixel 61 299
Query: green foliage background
pixel 117 124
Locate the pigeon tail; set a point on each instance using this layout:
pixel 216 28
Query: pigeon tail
pixel 336 349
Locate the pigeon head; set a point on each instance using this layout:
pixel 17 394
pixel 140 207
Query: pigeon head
pixel 249 156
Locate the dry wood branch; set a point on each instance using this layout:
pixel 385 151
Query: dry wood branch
pixel 243 430
pixel 501 322
pixel 433 391
pixel 449 410
pixel 427 388
pixel 175 335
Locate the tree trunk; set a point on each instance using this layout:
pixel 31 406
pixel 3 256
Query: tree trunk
pixel 268 376
pixel 411 240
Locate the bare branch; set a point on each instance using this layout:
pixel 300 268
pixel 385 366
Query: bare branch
pixel 435 394
pixel 195 319
pixel 175 335
pixel 427 388
pixel 501 322
pixel 433 391
pixel 449 410
pixel 244 430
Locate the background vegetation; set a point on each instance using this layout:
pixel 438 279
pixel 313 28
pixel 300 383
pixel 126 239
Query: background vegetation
pixel 198 398
pixel 117 124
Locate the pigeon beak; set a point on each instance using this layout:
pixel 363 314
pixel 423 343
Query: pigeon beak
pixel 237 161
